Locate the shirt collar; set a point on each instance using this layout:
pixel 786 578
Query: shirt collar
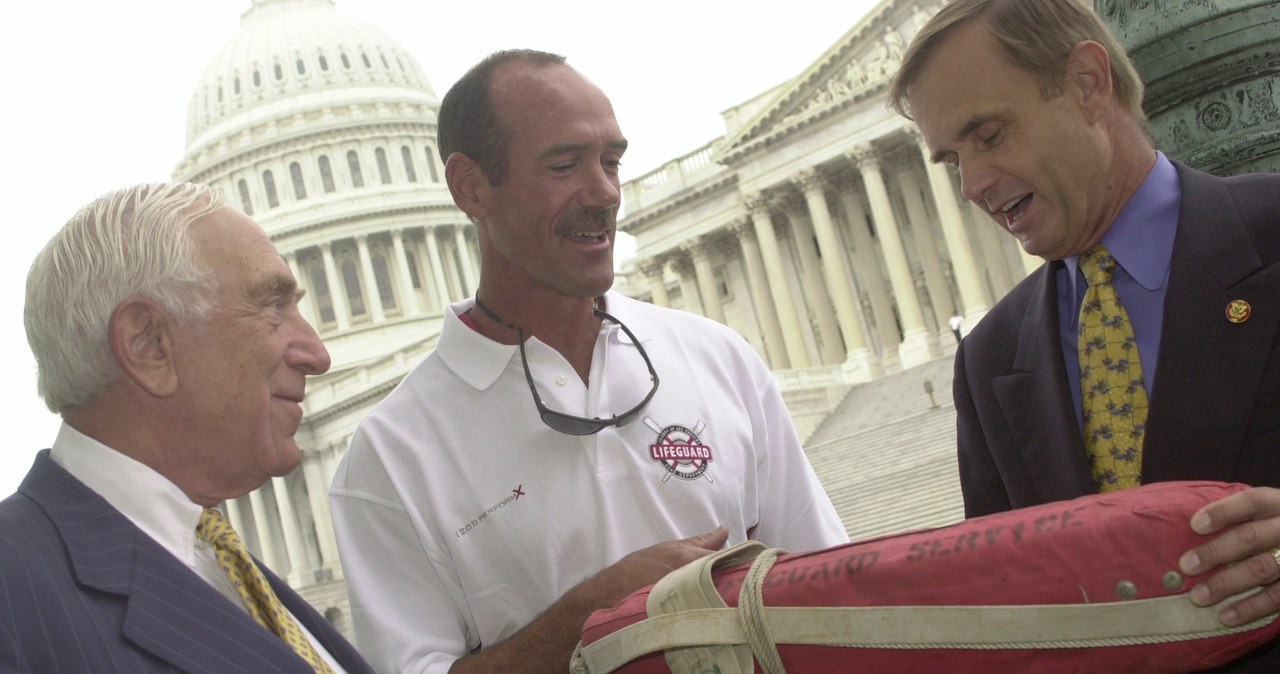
pixel 480 361
pixel 1141 238
pixel 153 503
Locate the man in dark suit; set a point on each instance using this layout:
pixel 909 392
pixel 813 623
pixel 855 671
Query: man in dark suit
pixel 1039 108
pixel 166 333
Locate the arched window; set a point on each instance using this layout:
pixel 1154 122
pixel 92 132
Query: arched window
pixel 237 86
pixel 299 187
pixel 269 184
pixel 431 163
pixel 413 269
pixel 365 57
pixel 346 62
pixel 279 72
pixel 384 171
pixel 302 67
pixel 326 174
pixel 320 290
pixel 352 281
pixel 407 156
pixel 353 163
pixel 324 63
pixel 383 279
pixel 257 79
pixel 245 204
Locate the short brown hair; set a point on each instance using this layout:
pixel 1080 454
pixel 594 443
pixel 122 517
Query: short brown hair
pixel 1037 36
pixel 468 121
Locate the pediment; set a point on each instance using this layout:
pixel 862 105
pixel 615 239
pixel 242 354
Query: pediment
pixel 858 66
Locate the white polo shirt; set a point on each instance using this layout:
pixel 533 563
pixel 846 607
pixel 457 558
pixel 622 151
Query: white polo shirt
pixel 461 516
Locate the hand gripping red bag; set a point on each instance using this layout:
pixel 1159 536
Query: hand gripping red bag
pixel 1090 585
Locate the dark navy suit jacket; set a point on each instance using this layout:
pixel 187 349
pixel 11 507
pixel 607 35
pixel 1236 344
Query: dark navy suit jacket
pixel 1215 402
pixel 82 589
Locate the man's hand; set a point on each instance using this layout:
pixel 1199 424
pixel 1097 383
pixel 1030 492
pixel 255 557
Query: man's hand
pixel 546 644
pixel 1249 549
pixel 645 567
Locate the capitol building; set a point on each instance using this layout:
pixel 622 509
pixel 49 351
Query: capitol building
pixel 815 226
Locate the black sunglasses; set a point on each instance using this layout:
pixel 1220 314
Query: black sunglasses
pixel 571 425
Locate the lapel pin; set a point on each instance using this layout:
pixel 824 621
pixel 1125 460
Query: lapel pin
pixel 1238 311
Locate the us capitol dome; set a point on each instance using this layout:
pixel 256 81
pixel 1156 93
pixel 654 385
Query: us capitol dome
pixel 322 128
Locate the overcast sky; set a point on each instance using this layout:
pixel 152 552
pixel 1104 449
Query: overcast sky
pixel 98 96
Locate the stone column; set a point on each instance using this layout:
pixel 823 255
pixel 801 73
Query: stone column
pixel 963 265
pixel 700 253
pixel 317 496
pixel 916 347
pixel 403 273
pixel 866 266
pixel 437 268
pixel 470 279
pixel 935 278
pixel 858 362
pixel 683 268
pixel 653 272
pixel 830 345
pixel 370 279
pixel 797 355
pixel 306 307
pixel 766 316
pixel 292 537
pixel 991 250
pixel 337 290
pixel 271 553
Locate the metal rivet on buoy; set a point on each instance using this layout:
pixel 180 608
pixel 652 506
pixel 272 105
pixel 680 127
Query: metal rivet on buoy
pixel 1173 581
pixel 1126 589
pixel 1238 311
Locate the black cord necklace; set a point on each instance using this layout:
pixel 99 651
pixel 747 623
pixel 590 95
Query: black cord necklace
pixel 495 317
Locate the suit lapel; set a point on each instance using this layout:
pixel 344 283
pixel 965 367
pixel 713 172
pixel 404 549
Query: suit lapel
pixel 171 612
pixel 1214 263
pixel 1036 400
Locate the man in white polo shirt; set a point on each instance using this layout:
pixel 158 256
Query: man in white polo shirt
pixel 564 445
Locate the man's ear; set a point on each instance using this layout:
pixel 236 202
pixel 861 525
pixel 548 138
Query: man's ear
pixel 141 337
pixel 1089 78
pixel 468 184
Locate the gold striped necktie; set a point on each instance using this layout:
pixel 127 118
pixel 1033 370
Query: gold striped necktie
pixel 253 588
pixel 1112 391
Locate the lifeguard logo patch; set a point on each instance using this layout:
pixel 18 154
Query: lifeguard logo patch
pixel 679 451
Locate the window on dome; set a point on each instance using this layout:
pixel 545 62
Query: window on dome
pixel 269 184
pixel 352 280
pixel 431 163
pixel 384 171
pixel 237 86
pixel 324 64
pixel 413 269
pixel 384 61
pixel 346 63
pixel 279 72
pixel 324 301
pixel 245 204
pixel 383 279
pixel 326 174
pixel 408 164
pixel 299 186
pixel 257 79
pixel 219 93
pixel 365 57
pixel 400 63
pixel 353 164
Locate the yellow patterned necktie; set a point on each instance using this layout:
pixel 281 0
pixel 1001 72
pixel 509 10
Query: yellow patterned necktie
pixel 254 590
pixel 1111 387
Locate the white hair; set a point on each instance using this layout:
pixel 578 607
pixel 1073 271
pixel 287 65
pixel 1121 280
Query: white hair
pixel 133 242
